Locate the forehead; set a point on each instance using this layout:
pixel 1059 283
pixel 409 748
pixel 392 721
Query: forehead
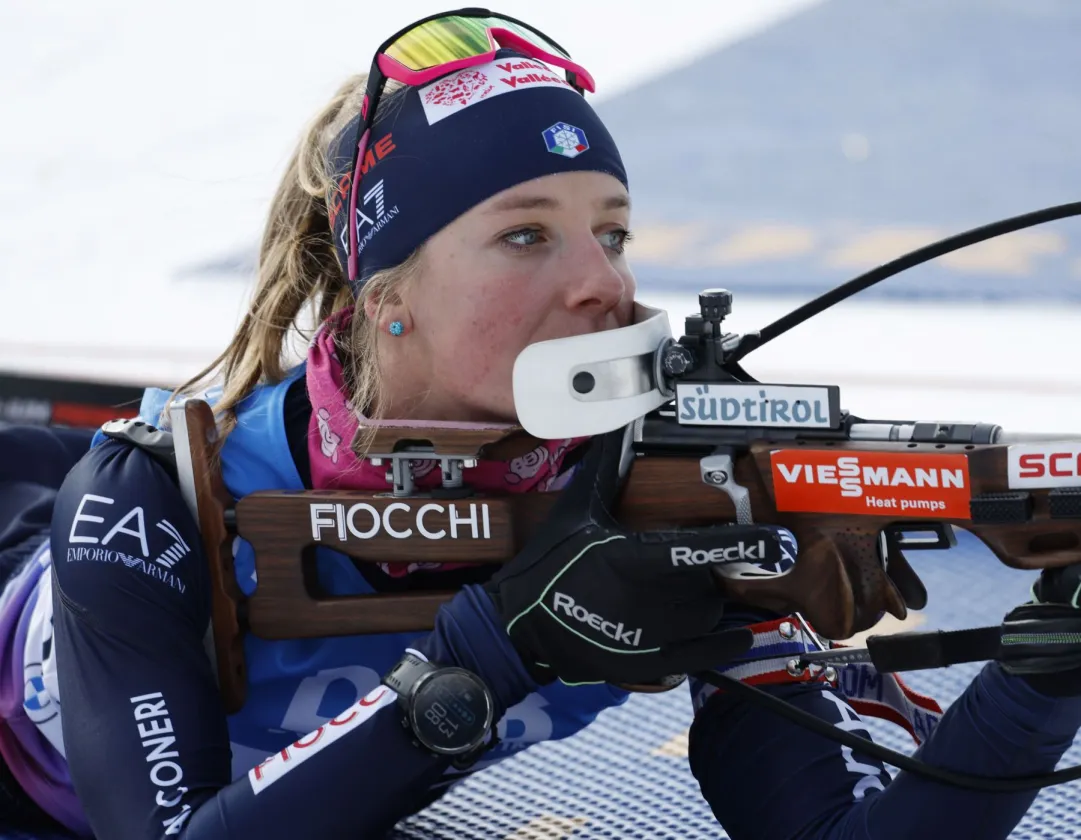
pixel 594 190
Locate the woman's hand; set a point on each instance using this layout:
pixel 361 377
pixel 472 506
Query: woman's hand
pixel 587 601
pixel 1056 595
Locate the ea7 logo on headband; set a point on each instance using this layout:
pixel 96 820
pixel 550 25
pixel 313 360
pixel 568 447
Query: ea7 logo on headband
pixel 565 139
pixel 372 201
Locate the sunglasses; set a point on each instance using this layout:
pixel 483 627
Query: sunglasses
pixel 441 44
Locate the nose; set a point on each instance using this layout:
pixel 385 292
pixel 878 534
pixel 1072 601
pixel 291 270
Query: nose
pixel 593 284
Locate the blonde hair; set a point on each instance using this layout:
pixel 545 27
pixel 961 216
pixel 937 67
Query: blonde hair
pixel 298 270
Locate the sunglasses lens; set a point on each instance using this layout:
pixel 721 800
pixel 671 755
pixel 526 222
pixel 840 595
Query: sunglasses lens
pixel 453 38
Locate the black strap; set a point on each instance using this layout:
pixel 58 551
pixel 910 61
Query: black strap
pixel 1025 645
pixel 915 651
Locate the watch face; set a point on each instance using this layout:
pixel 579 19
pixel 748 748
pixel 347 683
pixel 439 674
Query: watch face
pixel 451 712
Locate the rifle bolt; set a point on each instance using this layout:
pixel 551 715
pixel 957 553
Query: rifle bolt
pixel 830 674
pixel 376 462
pixel 717 477
pixel 794 668
pixel 468 463
pixel 787 630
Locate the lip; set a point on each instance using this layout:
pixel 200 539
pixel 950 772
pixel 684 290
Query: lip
pixel 613 319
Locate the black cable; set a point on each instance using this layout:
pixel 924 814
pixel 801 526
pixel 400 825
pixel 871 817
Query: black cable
pixel 753 341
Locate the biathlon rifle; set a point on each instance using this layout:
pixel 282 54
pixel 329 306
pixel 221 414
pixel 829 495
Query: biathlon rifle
pixel 705 444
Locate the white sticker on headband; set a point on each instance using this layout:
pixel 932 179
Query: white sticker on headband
pixel 475 84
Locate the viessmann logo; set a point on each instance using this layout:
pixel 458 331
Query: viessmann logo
pixel 872 483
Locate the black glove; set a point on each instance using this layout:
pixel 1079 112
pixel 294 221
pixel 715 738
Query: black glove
pixel 1054 672
pixel 587 601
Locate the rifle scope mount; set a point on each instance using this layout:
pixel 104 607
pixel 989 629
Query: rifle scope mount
pixel 703 353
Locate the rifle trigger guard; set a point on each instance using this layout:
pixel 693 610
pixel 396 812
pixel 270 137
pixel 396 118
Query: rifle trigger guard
pixel 719 471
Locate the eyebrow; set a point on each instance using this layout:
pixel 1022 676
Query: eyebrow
pixel 544 202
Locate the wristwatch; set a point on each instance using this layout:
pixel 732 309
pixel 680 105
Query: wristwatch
pixel 448 709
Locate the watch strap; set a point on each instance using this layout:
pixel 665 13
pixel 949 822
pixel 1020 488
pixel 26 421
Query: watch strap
pixel 402 678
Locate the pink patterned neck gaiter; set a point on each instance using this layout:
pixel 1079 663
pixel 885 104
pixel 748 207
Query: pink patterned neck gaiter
pixel 334 423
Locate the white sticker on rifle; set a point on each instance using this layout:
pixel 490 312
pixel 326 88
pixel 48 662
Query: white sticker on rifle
pixel 782 406
pixel 400 520
pixel 1045 465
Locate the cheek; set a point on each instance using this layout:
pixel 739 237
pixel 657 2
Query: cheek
pixel 499 310
pixel 485 329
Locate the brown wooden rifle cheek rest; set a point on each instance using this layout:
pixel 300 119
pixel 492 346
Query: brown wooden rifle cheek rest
pixel 840 583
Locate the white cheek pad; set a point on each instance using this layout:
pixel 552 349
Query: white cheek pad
pixel 624 387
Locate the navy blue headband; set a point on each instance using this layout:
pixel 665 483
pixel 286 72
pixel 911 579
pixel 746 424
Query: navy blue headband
pixel 441 149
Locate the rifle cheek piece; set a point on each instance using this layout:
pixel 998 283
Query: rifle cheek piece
pixel 591 384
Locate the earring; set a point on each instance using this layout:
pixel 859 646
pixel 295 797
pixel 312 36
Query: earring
pixel 396 328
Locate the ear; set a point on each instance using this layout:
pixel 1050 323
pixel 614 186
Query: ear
pixel 383 310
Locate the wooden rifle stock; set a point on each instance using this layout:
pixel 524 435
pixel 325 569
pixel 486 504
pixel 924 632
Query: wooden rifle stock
pixel 214 507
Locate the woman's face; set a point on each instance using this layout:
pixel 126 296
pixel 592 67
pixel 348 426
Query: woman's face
pixel 538 261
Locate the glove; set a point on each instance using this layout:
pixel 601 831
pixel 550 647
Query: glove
pixel 1055 596
pixel 587 601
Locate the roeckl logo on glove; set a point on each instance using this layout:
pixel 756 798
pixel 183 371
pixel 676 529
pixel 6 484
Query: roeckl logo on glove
pixel 565 603
pixel 739 551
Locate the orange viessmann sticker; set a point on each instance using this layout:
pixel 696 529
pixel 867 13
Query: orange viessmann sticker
pixel 871 483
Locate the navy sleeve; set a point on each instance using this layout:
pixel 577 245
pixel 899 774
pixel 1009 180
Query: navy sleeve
pixel 33 463
pixel 767 778
pixel 40 454
pixel 144 730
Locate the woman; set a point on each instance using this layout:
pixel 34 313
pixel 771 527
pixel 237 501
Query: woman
pixel 487 209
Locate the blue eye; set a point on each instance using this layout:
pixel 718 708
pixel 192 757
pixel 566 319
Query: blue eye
pixel 526 238
pixel 616 239
pixel 521 240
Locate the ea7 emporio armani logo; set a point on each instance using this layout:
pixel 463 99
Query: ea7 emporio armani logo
pixel 374 195
pixel 173 554
pixel 104 555
pixel 613 630
pixel 367 225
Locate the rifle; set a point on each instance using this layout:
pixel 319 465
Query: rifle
pixel 705 443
